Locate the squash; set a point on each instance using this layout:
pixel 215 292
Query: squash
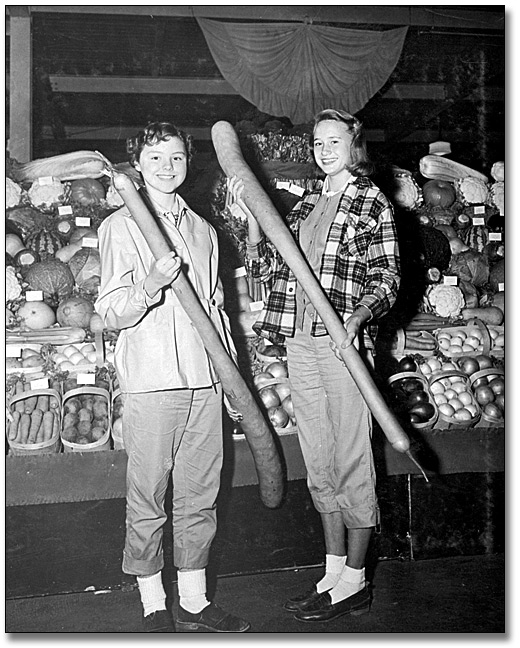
pixel 75 311
pixel 13 244
pixel 66 166
pixel 82 232
pixel 36 315
pixel 44 243
pixel 438 168
pixel 66 253
pixel 87 191
pixel 488 315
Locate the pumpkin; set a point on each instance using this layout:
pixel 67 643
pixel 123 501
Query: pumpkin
pixel 54 278
pixel 36 315
pixel 439 193
pixel 44 243
pixel 75 311
pixel 87 191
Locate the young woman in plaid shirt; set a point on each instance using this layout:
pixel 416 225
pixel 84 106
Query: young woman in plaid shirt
pixel 346 232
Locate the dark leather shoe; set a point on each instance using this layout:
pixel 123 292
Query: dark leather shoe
pixel 160 621
pixel 324 610
pixel 302 601
pixel 211 619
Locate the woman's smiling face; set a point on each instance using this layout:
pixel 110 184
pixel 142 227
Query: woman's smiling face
pixel 164 165
pixel 332 141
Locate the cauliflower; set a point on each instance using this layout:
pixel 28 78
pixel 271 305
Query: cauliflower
pixel 13 193
pixel 13 289
pixel 498 171
pixel 46 194
pixel 472 191
pixel 446 301
pixel 496 195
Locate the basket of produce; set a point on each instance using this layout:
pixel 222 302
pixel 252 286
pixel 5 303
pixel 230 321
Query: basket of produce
pixel 76 358
pixel 24 359
pixel 497 346
pixel 410 342
pixel 86 417
pixel 268 353
pixel 33 422
pixel 456 341
pixel 410 396
pixel 434 365
pixel 455 401
pixel 488 387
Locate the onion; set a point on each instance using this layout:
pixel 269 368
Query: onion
pixel 269 397
pixel 278 416
pixel 288 406
pixel 277 369
pixel 262 378
pixel 283 389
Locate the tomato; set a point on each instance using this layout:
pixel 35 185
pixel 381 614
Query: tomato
pixel 491 409
pixel 407 364
pixel 500 401
pixel 469 365
pixel 497 386
pixel 87 191
pixel 411 385
pixel 484 362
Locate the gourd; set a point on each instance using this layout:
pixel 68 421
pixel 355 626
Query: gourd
pixel 87 191
pixel 438 168
pixel 66 166
pixel 44 243
pixel 66 253
pixel 488 315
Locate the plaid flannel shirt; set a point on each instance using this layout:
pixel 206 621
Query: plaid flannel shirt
pixel 360 263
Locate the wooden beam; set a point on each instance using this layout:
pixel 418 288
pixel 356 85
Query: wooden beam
pixel 434 16
pixel 140 85
pixel 20 87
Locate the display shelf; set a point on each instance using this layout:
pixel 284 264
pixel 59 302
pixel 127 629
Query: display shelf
pixel 75 477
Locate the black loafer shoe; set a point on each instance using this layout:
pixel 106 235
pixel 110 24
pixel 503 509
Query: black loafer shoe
pixel 211 619
pixel 160 621
pixel 324 610
pixel 302 601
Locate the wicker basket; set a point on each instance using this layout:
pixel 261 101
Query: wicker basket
pixel 449 422
pixel 421 378
pixel 104 442
pixel 52 445
pixel 453 330
pixel 485 419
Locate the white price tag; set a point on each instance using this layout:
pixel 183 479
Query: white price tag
pixel 267 342
pixel 240 272
pixel 256 306
pixel 479 221
pixel 295 189
pixel 479 209
pixel 89 242
pixel 86 379
pixel 64 210
pixel 34 295
pixel 46 180
pixel 40 383
pixel 500 287
pixel 82 221
pixel 450 280
pixel 495 236
pixel 283 184
pixel 13 351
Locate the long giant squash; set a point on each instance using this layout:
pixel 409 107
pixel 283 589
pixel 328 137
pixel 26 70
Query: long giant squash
pixel 229 155
pixel 253 424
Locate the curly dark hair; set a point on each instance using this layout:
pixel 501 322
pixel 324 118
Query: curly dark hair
pixel 361 163
pixel 157 132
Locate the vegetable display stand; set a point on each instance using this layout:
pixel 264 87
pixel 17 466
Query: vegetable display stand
pixel 86 420
pixel 33 425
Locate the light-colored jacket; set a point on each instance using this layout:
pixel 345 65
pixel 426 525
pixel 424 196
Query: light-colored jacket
pixel 158 347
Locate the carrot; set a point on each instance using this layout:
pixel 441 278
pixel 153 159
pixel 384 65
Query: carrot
pixel 30 402
pixel 53 402
pixel 47 425
pixel 13 426
pixel 25 423
pixel 20 405
pixel 43 402
pixel 36 421
pixel 56 425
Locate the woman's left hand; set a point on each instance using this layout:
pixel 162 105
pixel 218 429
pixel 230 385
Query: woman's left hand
pixel 233 414
pixel 352 327
pixel 238 207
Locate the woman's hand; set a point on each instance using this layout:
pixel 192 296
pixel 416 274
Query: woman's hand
pixel 240 210
pixel 233 414
pixel 352 327
pixel 162 273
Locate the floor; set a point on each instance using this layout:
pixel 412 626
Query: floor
pixel 464 595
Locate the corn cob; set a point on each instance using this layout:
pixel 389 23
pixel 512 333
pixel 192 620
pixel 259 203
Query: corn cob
pixel 67 166
pixel 438 168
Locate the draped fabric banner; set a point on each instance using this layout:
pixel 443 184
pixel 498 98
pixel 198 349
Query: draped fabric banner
pixel 295 70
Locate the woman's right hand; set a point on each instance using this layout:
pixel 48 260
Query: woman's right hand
pixel 162 273
pixel 235 186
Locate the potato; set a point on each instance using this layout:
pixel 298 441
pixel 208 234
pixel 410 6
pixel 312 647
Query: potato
pixel 70 419
pixel 100 407
pixel 69 434
pixel 85 414
pixel 72 405
pixel 97 433
pixel 100 421
pixel 87 401
pixel 84 428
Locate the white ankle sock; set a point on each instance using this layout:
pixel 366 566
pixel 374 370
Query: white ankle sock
pixel 153 596
pixel 350 581
pixel 333 568
pixel 192 590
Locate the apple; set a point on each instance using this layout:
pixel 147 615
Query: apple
pixel 469 365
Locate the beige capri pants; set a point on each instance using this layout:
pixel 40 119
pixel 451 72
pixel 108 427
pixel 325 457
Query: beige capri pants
pixel 334 430
pixel 179 432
